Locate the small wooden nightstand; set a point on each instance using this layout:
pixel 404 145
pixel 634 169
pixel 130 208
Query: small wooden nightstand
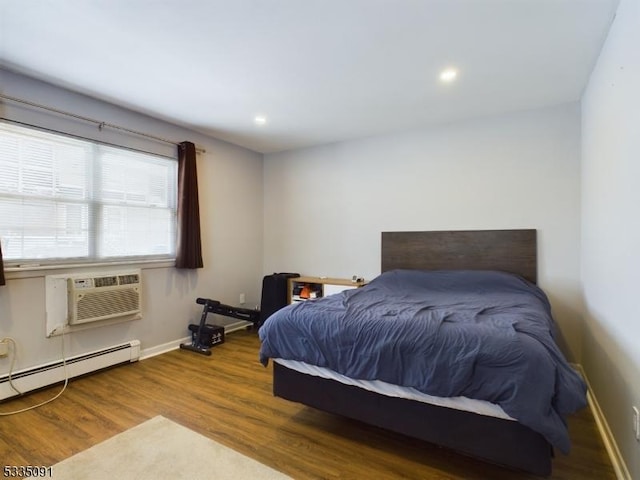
pixel 306 288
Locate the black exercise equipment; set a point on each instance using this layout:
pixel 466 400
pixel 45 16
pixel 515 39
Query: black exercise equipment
pixel 198 343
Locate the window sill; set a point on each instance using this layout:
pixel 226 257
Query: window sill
pixel 34 270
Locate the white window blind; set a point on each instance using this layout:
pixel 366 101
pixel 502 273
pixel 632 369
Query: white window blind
pixel 63 199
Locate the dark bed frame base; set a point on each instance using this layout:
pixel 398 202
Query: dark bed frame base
pixel 495 440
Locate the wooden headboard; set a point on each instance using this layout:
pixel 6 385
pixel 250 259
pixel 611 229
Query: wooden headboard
pixel 513 251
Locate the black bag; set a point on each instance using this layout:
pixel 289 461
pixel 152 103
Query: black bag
pixel 274 293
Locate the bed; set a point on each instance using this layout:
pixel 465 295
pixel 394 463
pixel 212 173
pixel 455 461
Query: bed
pixel 447 403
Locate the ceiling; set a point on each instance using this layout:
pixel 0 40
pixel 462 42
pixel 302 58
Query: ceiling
pixel 320 71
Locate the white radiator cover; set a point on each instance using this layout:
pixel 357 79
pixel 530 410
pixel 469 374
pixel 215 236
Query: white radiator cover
pixel 48 374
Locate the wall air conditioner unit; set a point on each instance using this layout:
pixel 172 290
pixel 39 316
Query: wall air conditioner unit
pixel 100 297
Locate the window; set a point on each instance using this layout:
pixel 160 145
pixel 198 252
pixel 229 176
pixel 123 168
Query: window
pixel 64 199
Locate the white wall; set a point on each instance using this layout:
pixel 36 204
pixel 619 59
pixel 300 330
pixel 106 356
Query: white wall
pixel 325 207
pixel 611 230
pixel 230 186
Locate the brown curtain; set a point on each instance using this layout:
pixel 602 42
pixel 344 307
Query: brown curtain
pixel 189 248
pixel 2 281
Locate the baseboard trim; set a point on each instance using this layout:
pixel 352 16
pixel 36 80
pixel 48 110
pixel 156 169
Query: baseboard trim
pixel 164 348
pixel 235 326
pixel 619 466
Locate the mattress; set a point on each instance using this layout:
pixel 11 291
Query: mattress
pixel 480 407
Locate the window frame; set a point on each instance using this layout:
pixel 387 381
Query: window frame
pixel 95 230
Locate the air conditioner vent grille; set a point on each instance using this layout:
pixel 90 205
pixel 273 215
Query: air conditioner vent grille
pixel 105 281
pixel 101 305
pixel 129 279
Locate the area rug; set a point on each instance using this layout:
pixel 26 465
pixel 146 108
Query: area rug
pixel 160 449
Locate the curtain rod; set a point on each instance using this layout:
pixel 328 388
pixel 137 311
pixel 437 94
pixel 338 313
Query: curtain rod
pixel 100 124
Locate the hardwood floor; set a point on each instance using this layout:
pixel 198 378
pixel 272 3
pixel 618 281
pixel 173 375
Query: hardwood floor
pixel 227 397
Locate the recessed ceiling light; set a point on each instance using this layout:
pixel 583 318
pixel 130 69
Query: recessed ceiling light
pixel 448 75
pixel 260 120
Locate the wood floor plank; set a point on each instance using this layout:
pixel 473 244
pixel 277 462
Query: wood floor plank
pixel 227 397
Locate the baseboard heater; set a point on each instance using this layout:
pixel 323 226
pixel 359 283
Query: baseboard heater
pixel 48 374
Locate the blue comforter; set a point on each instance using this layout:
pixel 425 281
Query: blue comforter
pixel 479 334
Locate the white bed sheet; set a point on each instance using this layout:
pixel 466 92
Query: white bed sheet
pixel 480 407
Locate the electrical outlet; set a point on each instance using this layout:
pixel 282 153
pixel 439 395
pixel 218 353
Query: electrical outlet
pixel 636 423
pixel 4 348
pixel 242 299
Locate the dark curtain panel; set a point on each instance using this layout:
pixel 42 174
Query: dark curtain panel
pixel 189 248
pixel 2 281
